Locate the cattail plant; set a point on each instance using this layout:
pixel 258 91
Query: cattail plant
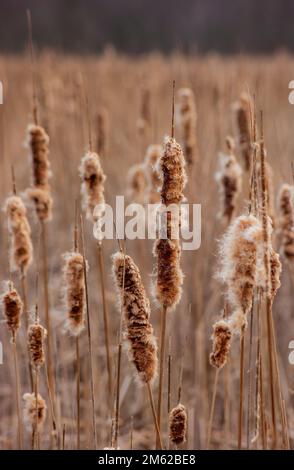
pixel 102 132
pixel 151 162
pixel 139 331
pixel 169 278
pixel 12 310
pixel 178 424
pixel 136 183
pixel 286 220
pixel 186 117
pixel 241 110
pixel 73 271
pixel 229 181
pixel 222 336
pixel 21 248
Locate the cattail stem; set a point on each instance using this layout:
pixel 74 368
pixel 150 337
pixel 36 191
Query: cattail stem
pixel 105 320
pixel 117 396
pixel 53 419
pixel 249 395
pixel 36 432
pixel 78 373
pixel 241 388
pixel 18 394
pixel 161 367
pixel 209 431
pixel 89 338
pixel 150 395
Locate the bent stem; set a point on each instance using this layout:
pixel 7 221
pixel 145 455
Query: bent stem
pixel 241 388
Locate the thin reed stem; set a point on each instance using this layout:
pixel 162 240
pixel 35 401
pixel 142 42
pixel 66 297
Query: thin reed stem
pixel 117 396
pixel 209 431
pixel 36 433
pixel 105 320
pixel 89 337
pixel 161 368
pixel 158 437
pixel 17 396
pixel 78 374
pixel 52 412
pixel 23 282
pixel 249 392
pixel 241 389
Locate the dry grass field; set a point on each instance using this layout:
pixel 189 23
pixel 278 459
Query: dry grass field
pixel 134 98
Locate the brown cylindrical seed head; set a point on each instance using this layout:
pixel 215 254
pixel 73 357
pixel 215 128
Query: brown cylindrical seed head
pixel 21 252
pixel 136 308
pixel 172 166
pixel 43 202
pixel 30 409
pixel 93 179
pixel 136 183
pixel 275 273
pixel 75 292
pixel 12 309
pixel 37 141
pixel 178 424
pixel 221 337
pixel 36 338
pixel 286 220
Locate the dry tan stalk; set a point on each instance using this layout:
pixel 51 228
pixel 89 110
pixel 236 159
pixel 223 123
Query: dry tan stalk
pixel 186 117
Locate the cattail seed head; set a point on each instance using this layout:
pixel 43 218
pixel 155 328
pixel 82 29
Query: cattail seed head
pixel 275 273
pixel 153 178
pixel 241 251
pixel 36 339
pixel 43 202
pixel 93 180
pixel 21 253
pixel 169 276
pixel 136 308
pixel 38 141
pixel 31 408
pixel 242 115
pixel 187 118
pixel 178 424
pixel 136 183
pixel 75 292
pixel 12 309
pixel 222 336
pixel 172 167
pixel 286 220
pixel 229 180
